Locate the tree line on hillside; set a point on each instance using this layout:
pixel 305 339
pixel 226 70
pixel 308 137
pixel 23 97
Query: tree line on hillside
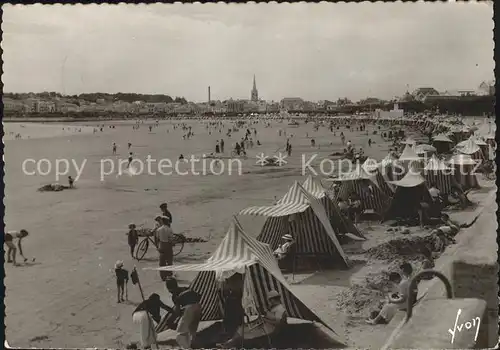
pixel 93 97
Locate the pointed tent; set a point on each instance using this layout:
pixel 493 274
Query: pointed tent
pixel 338 221
pixel 465 171
pixel 303 216
pixel 438 173
pixel 410 192
pixel 408 159
pixel 240 253
pixel 366 187
pixel 409 154
pixel 471 148
pixel 483 145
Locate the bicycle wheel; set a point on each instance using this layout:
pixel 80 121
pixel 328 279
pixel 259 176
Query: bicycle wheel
pixel 178 243
pixel 142 248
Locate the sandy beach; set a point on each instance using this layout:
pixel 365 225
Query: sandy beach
pixel 67 298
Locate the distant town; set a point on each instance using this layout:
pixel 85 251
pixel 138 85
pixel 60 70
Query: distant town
pixel 53 103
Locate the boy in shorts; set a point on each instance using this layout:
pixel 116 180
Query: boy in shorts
pixel 121 281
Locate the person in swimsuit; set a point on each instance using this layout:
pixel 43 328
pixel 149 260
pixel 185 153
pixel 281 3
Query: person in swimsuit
pixel 9 241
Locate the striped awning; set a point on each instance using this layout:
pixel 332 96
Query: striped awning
pixel 314 187
pixel 294 201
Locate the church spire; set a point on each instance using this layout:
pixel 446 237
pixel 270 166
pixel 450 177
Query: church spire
pixel 254 95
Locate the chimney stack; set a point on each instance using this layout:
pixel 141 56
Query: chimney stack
pixel 209 95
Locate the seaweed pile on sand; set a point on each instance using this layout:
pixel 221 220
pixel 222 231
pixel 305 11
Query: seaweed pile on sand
pixel 412 248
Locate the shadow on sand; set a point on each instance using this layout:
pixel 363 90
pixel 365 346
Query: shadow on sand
pixel 340 278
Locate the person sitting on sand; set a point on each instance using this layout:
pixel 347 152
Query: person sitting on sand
pixel 394 301
pixel 274 320
pixel 282 251
pixel 121 281
pixel 165 245
pixel 143 317
pixel 407 273
pixel 12 250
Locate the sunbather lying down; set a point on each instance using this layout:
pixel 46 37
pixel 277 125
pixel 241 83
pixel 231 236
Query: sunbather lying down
pixel 53 188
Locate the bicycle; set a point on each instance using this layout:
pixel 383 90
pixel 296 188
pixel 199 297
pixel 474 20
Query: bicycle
pixel 149 238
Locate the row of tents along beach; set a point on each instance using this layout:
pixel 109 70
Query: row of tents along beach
pixel 310 214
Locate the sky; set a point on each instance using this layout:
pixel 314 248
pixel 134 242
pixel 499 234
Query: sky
pixel 313 51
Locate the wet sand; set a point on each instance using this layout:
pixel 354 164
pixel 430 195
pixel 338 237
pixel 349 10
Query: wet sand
pixel 68 297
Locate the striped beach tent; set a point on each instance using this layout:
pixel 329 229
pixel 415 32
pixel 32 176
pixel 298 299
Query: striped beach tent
pixel 303 216
pixel 438 173
pixel 339 222
pixel 365 185
pixel 482 144
pixel 464 170
pixel 241 253
pixel 471 148
pixel 410 192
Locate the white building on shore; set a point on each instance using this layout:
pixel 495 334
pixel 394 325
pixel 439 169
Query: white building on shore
pixel 396 112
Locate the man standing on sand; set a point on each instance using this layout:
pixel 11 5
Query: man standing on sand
pixel 165 246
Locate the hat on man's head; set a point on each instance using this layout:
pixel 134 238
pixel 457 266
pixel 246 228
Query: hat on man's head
pixel 163 205
pixel 288 237
pixel 118 264
pixel 131 226
pixel 272 295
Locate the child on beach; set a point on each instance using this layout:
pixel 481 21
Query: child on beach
pixel 121 281
pixel 70 181
pixel 133 237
